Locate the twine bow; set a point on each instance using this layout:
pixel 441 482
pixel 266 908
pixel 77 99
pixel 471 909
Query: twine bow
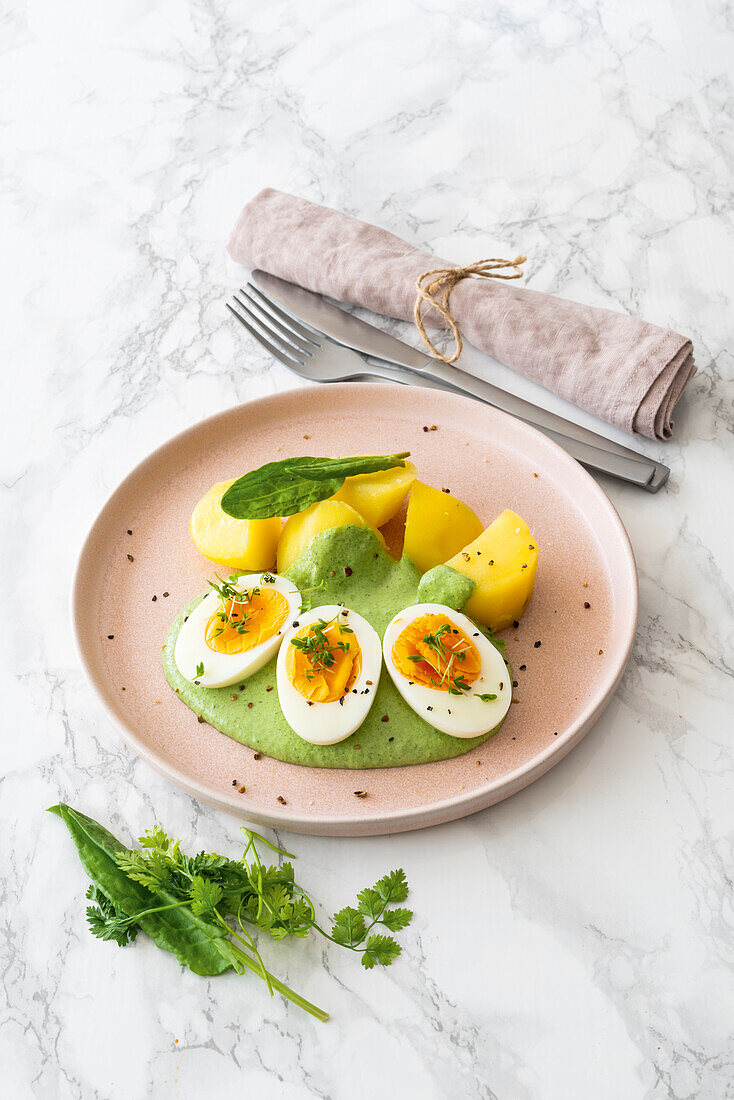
pixel 446 278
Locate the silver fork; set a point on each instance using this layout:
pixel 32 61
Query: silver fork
pixel 312 355
pixel 309 353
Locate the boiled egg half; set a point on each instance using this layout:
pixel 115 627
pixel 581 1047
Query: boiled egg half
pixel 327 674
pixel 447 670
pixel 236 629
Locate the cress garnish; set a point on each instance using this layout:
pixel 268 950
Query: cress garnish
pixel 235 617
pixel 451 676
pixel 316 646
pixel 456 683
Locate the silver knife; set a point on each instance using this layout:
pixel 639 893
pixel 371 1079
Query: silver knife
pixel 592 450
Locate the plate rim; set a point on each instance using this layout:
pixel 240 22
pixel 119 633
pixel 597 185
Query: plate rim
pixel 452 808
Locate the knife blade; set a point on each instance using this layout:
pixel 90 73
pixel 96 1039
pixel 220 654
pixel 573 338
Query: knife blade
pixel 360 336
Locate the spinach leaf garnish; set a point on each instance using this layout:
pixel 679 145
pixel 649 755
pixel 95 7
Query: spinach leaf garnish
pixel 293 484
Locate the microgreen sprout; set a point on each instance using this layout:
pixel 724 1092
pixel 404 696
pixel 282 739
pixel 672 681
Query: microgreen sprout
pixel 316 646
pixel 305 594
pixel 233 601
pixel 445 664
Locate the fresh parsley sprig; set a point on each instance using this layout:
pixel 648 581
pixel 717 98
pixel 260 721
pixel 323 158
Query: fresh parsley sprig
pixel 208 909
pixel 375 906
pixel 106 922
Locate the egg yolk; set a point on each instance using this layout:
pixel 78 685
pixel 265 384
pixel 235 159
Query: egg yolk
pixel 240 625
pixel 433 652
pixel 323 662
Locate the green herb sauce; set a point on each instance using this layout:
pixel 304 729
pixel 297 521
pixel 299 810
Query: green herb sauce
pixel 377 587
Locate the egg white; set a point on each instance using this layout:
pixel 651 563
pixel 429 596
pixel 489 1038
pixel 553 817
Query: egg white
pixel 329 723
pixel 462 715
pixel 223 669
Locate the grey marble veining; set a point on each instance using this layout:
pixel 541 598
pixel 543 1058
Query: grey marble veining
pixel 577 940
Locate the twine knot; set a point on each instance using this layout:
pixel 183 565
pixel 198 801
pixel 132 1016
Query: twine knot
pixel 437 294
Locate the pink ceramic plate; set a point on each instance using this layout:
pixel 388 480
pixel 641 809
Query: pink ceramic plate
pixel 583 613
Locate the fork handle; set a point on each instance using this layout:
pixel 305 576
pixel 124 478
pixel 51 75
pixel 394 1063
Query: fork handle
pixel 622 462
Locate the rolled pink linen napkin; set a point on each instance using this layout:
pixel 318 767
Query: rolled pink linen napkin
pixel 626 371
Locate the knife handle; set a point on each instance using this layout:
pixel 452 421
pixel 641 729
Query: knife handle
pixel 640 471
pixel 604 456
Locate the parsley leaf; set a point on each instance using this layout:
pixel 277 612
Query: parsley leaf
pixel 380 949
pixel 349 926
pixel 205 895
pixel 395 919
pixel 392 887
pixel 370 903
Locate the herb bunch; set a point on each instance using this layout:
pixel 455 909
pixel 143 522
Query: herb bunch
pixel 208 909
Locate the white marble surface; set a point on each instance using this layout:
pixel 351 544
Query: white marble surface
pixel 576 940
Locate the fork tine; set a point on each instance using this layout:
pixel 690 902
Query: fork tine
pixel 303 332
pixel 291 346
pixel 268 323
pixel 261 339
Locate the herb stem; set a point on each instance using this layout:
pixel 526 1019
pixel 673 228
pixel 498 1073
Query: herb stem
pixel 247 939
pixel 257 968
pixel 252 835
pixel 158 909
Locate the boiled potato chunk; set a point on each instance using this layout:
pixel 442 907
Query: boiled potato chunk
pixel 502 562
pixel 377 497
pixel 248 544
pixel 437 526
pixel 304 526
